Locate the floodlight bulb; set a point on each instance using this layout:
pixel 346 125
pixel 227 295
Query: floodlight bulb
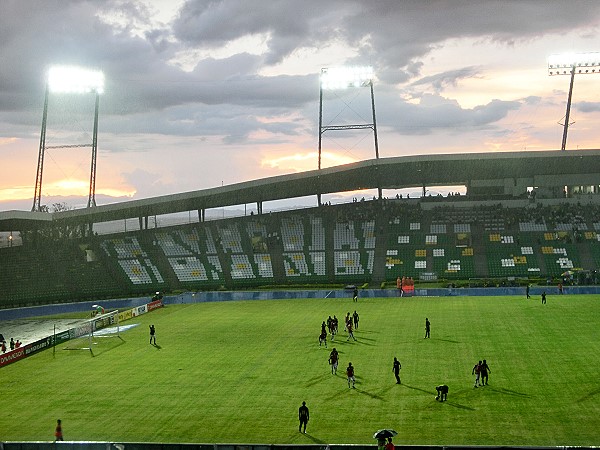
pixel 76 80
pixel 334 78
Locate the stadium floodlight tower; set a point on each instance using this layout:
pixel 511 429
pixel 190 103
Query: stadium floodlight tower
pixel 339 78
pixel 571 64
pixel 70 80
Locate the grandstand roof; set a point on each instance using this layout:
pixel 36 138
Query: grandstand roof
pixel 576 166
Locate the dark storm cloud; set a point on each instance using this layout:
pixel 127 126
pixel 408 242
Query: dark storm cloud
pixel 143 83
pixel 450 78
pixel 435 112
pixel 389 33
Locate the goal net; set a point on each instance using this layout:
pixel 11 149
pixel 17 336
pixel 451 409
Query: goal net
pixel 90 332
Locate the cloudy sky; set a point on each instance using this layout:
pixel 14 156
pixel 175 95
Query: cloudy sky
pixel 201 93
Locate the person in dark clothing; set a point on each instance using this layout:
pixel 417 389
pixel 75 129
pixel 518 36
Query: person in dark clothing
pixel 333 360
pixel 396 369
pixel 355 294
pixel 152 335
pixel 527 292
pixel 477 372
pixel 442 392
pixel 544 298
pixel 303 416
pixel 323 339
pixel 356 318
pixel 484 369
pixel 427 328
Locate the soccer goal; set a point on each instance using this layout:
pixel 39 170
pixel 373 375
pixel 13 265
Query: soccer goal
pixel 88 334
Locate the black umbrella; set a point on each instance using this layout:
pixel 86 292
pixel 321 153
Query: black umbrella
pixel 385 433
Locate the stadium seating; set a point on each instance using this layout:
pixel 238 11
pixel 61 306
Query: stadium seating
pixel 351 243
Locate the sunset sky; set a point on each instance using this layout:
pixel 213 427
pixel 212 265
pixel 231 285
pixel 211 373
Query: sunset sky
pixel 201 93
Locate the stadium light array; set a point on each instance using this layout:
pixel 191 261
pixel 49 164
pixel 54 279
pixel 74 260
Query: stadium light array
pixel 75 80
pixel 571 64
pixel 333 78
pixel 582 63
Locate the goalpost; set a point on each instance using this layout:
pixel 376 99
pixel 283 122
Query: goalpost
pixel 85 336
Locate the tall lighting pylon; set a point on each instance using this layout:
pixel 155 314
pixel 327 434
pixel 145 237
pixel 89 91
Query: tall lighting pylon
pixel 571 64
pixel 69 80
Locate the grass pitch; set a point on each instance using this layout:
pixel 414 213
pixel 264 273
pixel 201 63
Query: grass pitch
pixel 236 372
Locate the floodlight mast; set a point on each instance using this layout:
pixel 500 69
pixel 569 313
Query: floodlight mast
pixel 69 80
pixel 337 78
pixel 570 64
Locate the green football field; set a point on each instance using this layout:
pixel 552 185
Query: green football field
pixel 236 372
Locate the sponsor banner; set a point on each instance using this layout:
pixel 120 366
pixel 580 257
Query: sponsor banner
pixel 62 337
pixel 155 304
pixel 12 356
pixel 82 330
pixel 125 315
pixel 140 310
pixel 38 346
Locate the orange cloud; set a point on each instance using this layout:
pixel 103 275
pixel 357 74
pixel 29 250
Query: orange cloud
pixel 300 162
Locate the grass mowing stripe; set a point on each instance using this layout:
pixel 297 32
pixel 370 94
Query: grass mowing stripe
pixel 238 371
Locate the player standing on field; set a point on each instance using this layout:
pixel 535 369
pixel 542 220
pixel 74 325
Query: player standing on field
pixel 350 333
pixel 477 372
pixel 350 375
pixel 303 417
pixel 484 369
pixel 152 335
pixel 356 318
pixel 396 369
pixel 333 360
pixel 427 328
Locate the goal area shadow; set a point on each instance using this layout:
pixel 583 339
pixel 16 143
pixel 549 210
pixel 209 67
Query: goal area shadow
pixel 97 347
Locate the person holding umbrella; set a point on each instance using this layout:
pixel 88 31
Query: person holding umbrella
pixel 382 435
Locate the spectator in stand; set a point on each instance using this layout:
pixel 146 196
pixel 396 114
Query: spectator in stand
pixel 399 282
pixel 12 344
pixel 17 344
pixel 3 346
